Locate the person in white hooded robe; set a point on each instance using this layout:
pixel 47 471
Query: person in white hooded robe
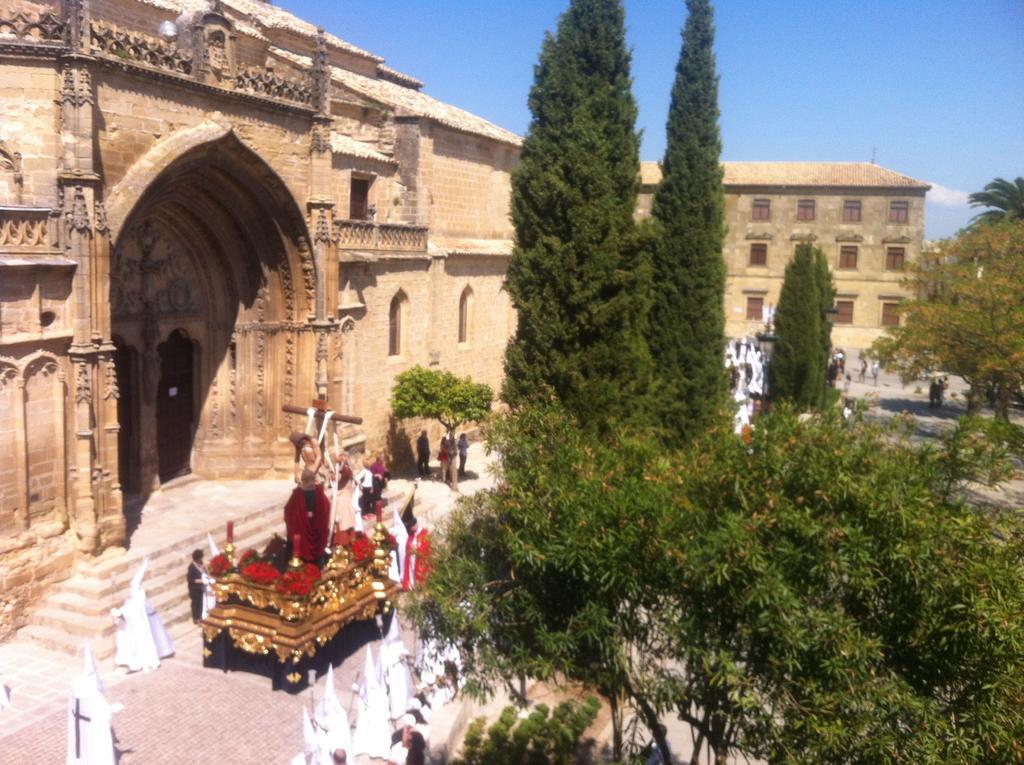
pixel 373 734
pixel 331 718
pixel 314 744
pixel 393 655
pixel 90 738
pixel 142 639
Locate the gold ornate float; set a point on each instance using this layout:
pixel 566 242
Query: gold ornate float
pixel 255 626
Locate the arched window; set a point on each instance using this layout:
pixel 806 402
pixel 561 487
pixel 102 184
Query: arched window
pixel 465 308
pixel 395 321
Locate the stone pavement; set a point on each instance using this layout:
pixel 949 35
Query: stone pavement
pixel 183 712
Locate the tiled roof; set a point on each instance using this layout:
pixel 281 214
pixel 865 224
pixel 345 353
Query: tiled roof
pixel 827 174
pixel 263 14
pixel 406 101
pixel 343 144
pixel 412 102
pixel 400 78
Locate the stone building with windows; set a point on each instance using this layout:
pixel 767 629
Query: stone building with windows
pixel 210 209
pixel 868 220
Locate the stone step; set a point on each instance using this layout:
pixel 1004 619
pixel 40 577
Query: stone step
pixel 80 607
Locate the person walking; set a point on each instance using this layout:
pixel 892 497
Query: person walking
pixel 423 454
pixel 875 369
pixel 463 454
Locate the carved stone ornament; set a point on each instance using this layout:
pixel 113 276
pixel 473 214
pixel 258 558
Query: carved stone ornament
pixel 10 161
pixel 100 218
pixel 32 27
pixel 152 270
pixel 110 387
pixel 320 139
pixel 78 216
pixel 322 233
pixel 76 85
pixel 83 385
pixel 321 72
pixel 308 273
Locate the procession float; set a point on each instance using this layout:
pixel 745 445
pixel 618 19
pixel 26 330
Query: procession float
pixel 283 617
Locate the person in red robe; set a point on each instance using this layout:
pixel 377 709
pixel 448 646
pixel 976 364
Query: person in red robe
pixel 307 516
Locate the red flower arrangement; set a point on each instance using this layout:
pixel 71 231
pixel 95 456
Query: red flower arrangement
pixel 298 581
pixel 362 547
pixel 260 572
pixel 423 563
pixel 220 565
pixel 247 557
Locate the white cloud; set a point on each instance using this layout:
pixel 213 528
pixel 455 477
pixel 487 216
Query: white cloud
pixel 946 197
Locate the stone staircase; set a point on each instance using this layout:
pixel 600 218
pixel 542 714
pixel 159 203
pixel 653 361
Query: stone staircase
pixel 79 607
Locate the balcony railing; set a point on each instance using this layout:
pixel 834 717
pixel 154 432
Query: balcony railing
pixel 369 235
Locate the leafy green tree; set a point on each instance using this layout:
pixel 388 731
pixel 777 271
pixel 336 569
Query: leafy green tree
pixel 815 593
pixel 686 332
pixel 439 395
pixel 969 315
pixel 540 739
pixel 800 358
pixel 841 603
pixel 550 576
pixel 1006 198
pixel 577 278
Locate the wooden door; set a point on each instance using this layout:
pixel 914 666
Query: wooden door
pixel 175 406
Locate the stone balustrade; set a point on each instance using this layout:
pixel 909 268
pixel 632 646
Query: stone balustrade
pixel 369 235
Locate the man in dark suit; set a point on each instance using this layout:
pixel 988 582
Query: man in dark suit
pixel 196 587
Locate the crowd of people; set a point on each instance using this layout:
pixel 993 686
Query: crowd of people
pixel 448 451
pixel 393 712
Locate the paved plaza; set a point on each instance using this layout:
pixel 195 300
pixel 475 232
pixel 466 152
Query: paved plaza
pixel 183 712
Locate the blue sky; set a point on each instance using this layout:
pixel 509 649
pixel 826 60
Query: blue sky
pixel 931 89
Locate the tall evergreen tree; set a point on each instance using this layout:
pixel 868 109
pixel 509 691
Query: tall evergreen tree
pixel 826 300
pixel 686 332
pixel 798 364
pixel 577 278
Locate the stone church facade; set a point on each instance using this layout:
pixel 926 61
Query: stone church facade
pixel 209 210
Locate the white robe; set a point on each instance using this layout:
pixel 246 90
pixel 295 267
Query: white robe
pixel 141 638
pixel 373 734
pixel 396 670
pixel 90 741
pixel 333 721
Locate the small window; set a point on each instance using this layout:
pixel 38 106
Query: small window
pixel 899 212
pixel 759 254
pixel 851 211
pixel 755 306
pixel 465 302
pixel 894 258
pixel 848 257
pixel 395 318
pixel 762 209
pixel 844 309
pixel 890 315
pixel 805 209
pixel 359 199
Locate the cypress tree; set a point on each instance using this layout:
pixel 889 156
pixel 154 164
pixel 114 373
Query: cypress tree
pixel 686 332
pixel 577 278
pixel 826 299
pixel 798 364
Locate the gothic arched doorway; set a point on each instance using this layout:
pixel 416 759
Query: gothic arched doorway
pixel 211 288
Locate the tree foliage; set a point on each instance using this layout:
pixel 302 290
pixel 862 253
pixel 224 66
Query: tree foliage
pixel 801 354
pixel 1005 198
pixel 818 593
pixel 969 315
pixel 439 395
pixel 686 333
pixel 540 739
pixel 578 280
